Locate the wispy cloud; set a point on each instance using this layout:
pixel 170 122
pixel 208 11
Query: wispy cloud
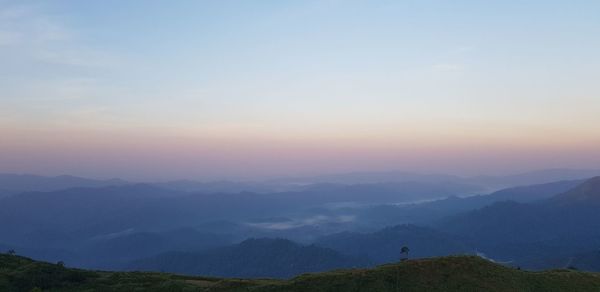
pixel 28 25
pixel 452 59
pixel 309 221
pixel 39 38
pixel 447 67
pixel 66 80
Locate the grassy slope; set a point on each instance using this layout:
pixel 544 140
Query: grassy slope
pixel 458 273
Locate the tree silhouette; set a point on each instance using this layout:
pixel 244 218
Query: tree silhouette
pixel 12 252
pixel 404 250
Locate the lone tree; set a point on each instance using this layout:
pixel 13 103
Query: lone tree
pixel 12 252
pixel 404 251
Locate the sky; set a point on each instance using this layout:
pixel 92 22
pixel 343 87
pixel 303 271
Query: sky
pixel 255 89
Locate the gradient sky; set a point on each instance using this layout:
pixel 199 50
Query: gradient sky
pixel 252 89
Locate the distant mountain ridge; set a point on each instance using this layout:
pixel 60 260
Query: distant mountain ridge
pixel 369 177
pixel 430 212
pixel 548 228
pixel 520 224
pixel 491 182
pixel 15 183
pixel 84 212
pixel 19 183
pixel 587 192
pixel 537 177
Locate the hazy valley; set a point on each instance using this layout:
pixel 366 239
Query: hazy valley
pixel 316 227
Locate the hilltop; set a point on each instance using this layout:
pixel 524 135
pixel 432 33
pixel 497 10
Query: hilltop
pixel 586 193
pixel 454 273
pixel 252 258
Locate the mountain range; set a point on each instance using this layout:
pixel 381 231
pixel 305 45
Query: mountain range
pixel 252 258
pixel 324 226
pixel 523 232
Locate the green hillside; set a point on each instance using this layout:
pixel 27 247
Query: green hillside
pixel 456 273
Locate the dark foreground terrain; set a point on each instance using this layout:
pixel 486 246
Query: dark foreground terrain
pixel 454 273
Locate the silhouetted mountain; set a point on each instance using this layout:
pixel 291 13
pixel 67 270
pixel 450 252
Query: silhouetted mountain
pixel 111 252
pixel 19 183
pixel 224 186
pixel 253 258
pixel 530 193
pixel 6 193
pixel 374 193
pixel 487 183
pixel 429 212
pixel 60 217
pixel 56 218
pixel 535 177
pixel 118 223
pixel 384 246
pixel 586 193
pixel 527 232
pixel 574 204
pixel 370 178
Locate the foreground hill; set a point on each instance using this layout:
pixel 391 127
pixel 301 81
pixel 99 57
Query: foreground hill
pixel 457 273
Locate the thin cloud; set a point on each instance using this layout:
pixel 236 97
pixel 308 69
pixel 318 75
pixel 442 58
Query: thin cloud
pixel 447 67
pixel 44 39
